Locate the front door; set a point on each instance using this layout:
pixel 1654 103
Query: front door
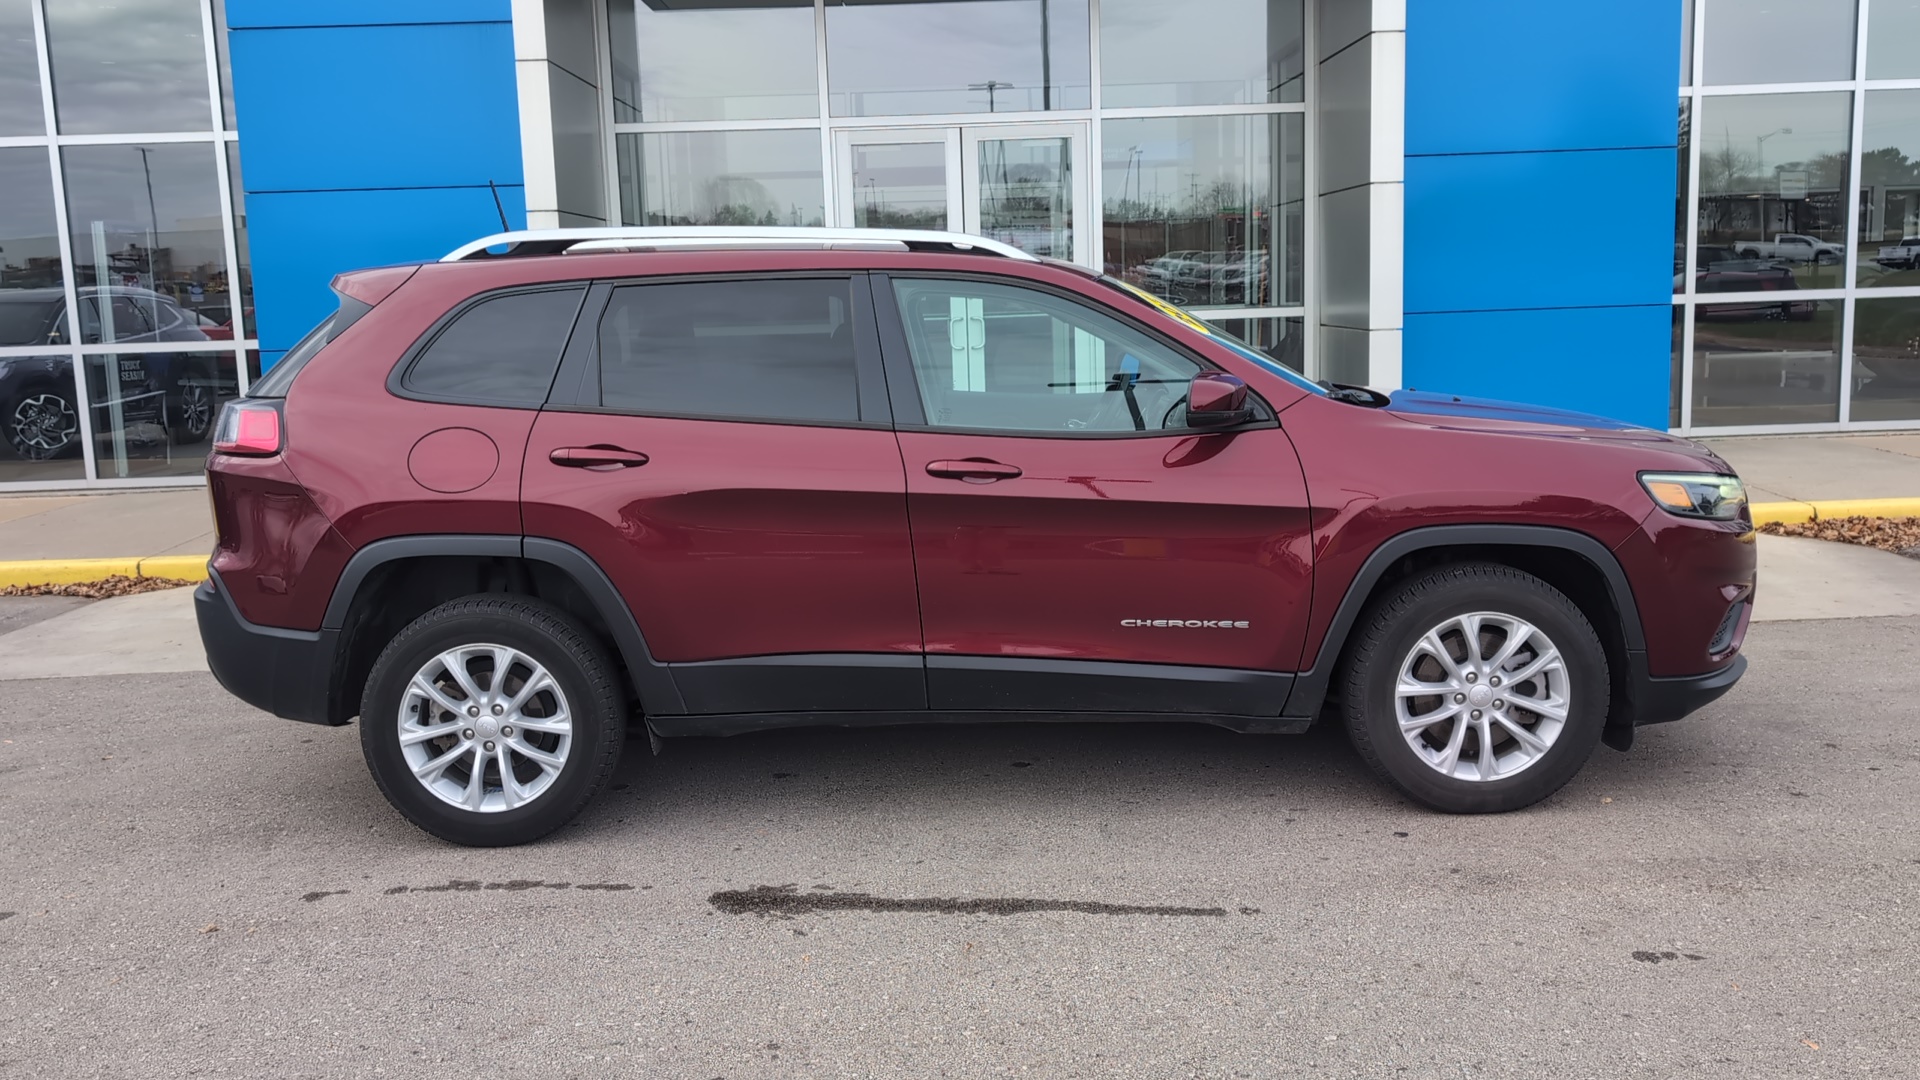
pixel 1022 184
pixel 1078 547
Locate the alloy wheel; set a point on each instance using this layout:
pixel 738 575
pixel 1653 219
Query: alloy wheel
pixel 196 410
pixel 42 424
pixel 1482 696
pixel 485 728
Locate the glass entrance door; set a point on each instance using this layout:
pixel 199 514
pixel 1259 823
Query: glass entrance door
pixel 1021 184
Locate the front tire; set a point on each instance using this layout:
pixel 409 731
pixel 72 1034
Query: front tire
pixel 492 720
pixel 1475 689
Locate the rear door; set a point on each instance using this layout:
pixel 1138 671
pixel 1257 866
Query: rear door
pixel 1079 548
pixel 722 447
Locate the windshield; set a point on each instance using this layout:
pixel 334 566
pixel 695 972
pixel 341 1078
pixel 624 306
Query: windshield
pixel 1219 335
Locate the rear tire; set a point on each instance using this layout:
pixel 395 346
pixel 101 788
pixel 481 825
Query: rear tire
pixel 437 706
pixel 1534 659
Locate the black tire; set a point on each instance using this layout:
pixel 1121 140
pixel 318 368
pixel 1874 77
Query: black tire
pixel 1386 635
pixel 543 633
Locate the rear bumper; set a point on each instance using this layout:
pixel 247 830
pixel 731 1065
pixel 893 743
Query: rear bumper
pixel 286 672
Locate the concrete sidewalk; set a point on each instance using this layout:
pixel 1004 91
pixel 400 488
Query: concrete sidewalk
pixel 1807 468
pixel 179 522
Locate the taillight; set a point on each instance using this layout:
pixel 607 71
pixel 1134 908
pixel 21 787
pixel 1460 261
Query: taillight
pixel 250 428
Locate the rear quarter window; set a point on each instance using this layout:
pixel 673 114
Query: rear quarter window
pixel 501 350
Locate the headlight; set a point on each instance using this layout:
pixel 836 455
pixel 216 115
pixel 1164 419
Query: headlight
pixel 1699 495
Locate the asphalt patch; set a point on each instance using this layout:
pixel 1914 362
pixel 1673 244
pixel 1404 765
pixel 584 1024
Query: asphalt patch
pixel 322 894
pixel 787 901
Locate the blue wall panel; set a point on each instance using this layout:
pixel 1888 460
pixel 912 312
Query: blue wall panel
pixel 379 106
pixel 1608 361
pixel 300 240
pixel 1539 201
pixel 251 14
pixel 1497 231
pixel 369 132
pixel 1501 75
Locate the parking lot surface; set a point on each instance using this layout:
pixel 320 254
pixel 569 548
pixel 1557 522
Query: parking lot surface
pixel 190 888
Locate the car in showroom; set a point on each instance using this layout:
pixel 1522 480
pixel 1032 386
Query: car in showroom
pixel 177 394
pixel 703 481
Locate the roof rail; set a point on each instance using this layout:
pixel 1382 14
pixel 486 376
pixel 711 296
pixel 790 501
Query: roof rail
pixel 697 237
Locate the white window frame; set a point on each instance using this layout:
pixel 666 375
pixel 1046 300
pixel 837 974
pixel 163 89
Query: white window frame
pixel 218 137
pixel 1847 295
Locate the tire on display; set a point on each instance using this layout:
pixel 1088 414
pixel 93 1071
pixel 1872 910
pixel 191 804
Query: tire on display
pixel 1420 722
pixel 436 705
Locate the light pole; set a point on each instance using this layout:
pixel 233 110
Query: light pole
pixel 1760 149
pixel 1760 176
pixel 990 86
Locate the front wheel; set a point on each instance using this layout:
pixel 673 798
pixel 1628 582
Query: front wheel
pixel 41 424
pixel 1476 688
pixel 491 720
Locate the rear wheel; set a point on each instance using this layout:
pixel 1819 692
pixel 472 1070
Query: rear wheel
pixel 491 720
pixel 190 413
pixel 1476 689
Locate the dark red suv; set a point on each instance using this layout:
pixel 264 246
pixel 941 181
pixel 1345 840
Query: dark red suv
pixel 503 506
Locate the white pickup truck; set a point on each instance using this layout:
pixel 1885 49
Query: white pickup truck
pixel 1904 255
pixel 1790 246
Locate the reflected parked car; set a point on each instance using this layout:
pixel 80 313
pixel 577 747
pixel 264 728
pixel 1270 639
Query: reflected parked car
pixel 39 417
pixel 1722 270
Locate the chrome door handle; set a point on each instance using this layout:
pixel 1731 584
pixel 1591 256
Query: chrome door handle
pixel 973 470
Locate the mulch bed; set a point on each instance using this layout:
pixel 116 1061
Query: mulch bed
pixel 116 585
pixel 1898 535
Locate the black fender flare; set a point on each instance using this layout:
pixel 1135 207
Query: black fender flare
pixel 652 680
pixel 1310 688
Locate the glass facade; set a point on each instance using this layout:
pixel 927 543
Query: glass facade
pixel 125 301
pixel 1797 225
pixel 1161 147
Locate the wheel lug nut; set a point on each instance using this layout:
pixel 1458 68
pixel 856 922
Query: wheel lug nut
pixel 1476 716
pixel 1498 704
pixel 1495 681
pixel 507 731
pixel 497 710
pixel 1459 699
pixel 467 734
pixel 1471 676
pixel 489 744
pixel 474 710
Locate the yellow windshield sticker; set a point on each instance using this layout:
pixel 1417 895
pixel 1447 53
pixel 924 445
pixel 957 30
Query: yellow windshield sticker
pixel 1166 308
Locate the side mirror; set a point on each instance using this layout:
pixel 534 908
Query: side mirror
pixel 1216 399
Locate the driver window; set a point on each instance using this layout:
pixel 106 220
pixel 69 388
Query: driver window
pixel 1008 358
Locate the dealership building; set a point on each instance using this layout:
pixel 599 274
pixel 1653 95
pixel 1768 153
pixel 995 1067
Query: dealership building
pixel 1686 214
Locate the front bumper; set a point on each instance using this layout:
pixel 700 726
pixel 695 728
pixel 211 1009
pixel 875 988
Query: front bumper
pixel 1658 701
pixel 286 672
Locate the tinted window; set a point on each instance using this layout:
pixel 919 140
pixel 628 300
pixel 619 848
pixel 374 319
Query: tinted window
pixel 765 350
pixel 1016 359
pixel 501 350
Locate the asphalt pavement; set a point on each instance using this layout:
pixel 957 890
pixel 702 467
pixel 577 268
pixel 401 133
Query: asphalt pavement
pixel 191 888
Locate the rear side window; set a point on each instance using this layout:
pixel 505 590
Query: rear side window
pixel 776 349
pixel 500 351
pixel 278 378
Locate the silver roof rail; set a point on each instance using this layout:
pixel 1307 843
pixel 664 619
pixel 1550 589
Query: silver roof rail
pixel 717 237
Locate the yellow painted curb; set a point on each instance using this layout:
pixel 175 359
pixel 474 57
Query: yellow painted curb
pixel 68 571
pixel 1788 513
